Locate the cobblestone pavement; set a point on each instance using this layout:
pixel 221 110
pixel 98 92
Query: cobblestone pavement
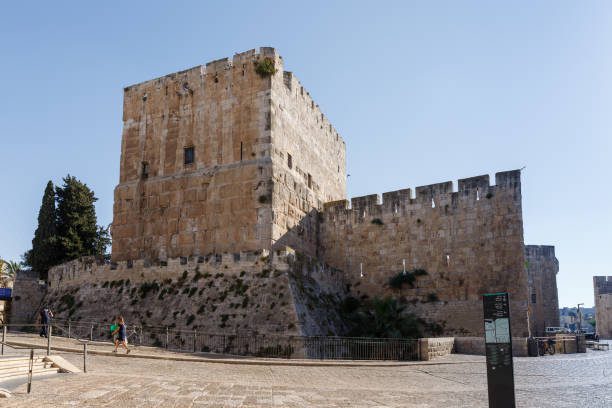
pixel 574 380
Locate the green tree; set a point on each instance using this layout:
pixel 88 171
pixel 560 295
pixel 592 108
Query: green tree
pixel 3 274
pixel 44 252
pixel 11 269
pixel 383 318
pixel 77 229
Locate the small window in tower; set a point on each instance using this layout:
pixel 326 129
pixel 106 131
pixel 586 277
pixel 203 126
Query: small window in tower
pixel 289 161
pixel 309 181
pixel 188 155
pixel 533 298
pixel 145 170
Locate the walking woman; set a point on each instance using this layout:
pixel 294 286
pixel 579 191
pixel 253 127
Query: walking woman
pixel 121 335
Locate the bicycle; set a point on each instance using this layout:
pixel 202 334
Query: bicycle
pixel 546 346
pixel 133 335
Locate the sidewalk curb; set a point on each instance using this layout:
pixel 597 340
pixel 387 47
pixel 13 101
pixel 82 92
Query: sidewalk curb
pixel 247 361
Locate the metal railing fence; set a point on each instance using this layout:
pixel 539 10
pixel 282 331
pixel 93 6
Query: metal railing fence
pixel 244 343
pixel 30 361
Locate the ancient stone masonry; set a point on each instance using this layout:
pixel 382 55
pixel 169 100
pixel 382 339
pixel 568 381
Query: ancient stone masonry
pixel 28 293
pixel 603 305
pixel 218 158
pixel 231 208
pixel 469 242
pixel 542 269
pixel 309 165
pixel 276 293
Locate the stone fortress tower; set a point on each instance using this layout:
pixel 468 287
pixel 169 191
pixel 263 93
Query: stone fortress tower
pixel 542 269
pixel 235 176
pixel 218 158
pixel 603 305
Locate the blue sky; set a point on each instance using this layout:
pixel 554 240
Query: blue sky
pixel 421 92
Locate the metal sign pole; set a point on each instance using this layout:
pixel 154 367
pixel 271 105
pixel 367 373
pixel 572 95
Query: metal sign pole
pixel 84 357
pixel 49 330
pixel 3 337
pixel 498 345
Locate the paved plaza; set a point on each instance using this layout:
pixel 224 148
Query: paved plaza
pixel 583 380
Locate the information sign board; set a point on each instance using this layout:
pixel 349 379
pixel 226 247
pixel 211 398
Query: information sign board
pixel 498 345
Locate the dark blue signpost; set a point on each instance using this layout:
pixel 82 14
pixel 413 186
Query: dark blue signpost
pixel 498 344
pixel 6 293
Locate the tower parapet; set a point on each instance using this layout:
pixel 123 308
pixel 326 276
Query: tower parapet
pixel 438 197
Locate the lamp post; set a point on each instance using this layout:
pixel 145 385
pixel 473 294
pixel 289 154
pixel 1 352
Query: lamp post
pixel 579 319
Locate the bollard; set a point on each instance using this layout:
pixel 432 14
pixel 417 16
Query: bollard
pixel 194 340
pixel 167 337
pixel 68 328
pixel 91 333
pixel 3 337
pixel 84 357
pixel 30 369
pixel 49 339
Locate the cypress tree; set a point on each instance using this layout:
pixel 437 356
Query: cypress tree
pixel 44 245
pixel 77 229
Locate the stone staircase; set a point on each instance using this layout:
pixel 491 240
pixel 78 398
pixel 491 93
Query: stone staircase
pixel 14 367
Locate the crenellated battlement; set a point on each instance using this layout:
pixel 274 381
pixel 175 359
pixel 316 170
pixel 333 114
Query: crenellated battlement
pixel 601 280
pixel 215 67
pixel 92 269
pixel 540 251
pixel 602 284
pixel 471 191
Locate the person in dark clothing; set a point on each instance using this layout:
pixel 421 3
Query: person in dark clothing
pixel 44 318
pixel 121 335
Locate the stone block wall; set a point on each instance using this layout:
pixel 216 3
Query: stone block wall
pixel 309 164
pixel 28 294
pixel 242 191
pixel 542 269
pixel 252 291
pixel 470 243
pixel 166 208
pixel 565 344
pixel 432 348
pixel 603 305
pixel 470 345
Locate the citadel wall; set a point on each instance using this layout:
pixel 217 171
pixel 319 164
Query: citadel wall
pixel 243 191
pixel 603 305
pixel 542 269
pixel 28 294
pixel 265 162
pixel 470 242
pixel 166 208
pixel 309 164
pixel 258 291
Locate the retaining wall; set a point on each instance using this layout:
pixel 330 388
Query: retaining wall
pixel 432 348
